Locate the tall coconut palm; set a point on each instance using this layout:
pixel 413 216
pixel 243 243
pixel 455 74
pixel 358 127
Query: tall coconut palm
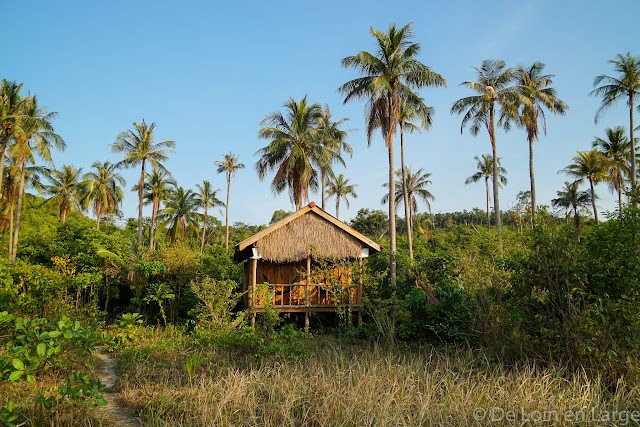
pixel 103 189
pixel 179 214
pixel 389 77
pixel 571 198
pixel 536 88
pixel 495 96
pixel 157 187
pixel 591 165
pixel 416 190
pixel 341 189
pixel 10 195
pixel 11 106
pixel 295 152
pixel 35 135
pixel 230 166
pixel 139 147
pixel 624 85
pixel 485 171
pixel 617 149
pixel 65 189
pixel 9 198
pixel 332 137
pixel 206 198
pixel 417 111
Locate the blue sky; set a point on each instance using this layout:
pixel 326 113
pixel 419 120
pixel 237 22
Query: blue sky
pixel 208 72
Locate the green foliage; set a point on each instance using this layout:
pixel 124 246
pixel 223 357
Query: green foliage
pixel 278 215
pixel 216 301
pixel 127 331
pixel 79 389
pixel 35 345
pixel 269 318
pixel 218 264
pixel 192 364
pixel 371 223
pixel 9 414
pixel 159 292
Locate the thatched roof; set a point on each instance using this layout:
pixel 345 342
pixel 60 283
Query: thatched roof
pixel 310 231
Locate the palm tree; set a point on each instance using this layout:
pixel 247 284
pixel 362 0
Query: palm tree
pixel 625 85
pixel 11 106
pixel 485 170
pixel 10 195
pixel 536 88
pixel 35 135
pixel 570 198
pixel 103 189
pixel 591 165
pixel 230 166
pixel 617 149
pixel 206 198
pixel 295 152
pixel 159 292
pixel 341 189
pixel 180 214
pixel 390 76
pixel 64 188
pixel 333 138
pixel 418 111
pixel 138 146
pixel 415 185
pixel 157 187
pixel 480 111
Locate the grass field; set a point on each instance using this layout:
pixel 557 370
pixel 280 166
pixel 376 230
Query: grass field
pixel 342 382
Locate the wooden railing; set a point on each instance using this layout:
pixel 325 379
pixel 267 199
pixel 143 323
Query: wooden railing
pixel 319 295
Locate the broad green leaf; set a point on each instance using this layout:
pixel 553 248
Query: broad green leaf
pixel 17 363
pixel 15 375
pixel 41 349
pixel 30 378
pixel 10 405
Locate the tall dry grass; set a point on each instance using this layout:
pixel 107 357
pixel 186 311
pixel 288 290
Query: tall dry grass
pixel 349 385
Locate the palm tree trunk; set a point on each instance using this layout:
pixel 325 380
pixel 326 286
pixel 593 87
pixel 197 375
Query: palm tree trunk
pixel 486 182
pixel 152 233
pixel 411 224
pixel 533 182
pixel 633 144
pixel 593 201
pixel 99 216
pixel 496 200
pixel 392 216
pixel 226 220
pixel 204 228
pixel 337 207
pixel 14 249
pixel 620 199
pixel 140 190
pixel 3 146
pixel 407 210
pixel 11 209
pixel 323 176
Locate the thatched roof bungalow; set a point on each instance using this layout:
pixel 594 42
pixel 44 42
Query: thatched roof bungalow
pixel 293 257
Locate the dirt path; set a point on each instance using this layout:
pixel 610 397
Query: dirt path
pixel 117 414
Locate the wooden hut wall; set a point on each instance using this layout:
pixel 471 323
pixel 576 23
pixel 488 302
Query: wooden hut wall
pixel 295 272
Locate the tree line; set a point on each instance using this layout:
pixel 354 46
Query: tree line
pixel 305 142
